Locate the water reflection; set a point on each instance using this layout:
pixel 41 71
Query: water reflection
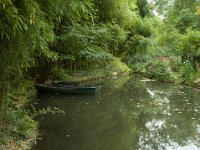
pixel 128 114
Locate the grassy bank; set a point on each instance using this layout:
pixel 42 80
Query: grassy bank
pixel 19 130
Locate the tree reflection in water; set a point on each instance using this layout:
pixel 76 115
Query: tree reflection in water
pixel 129 114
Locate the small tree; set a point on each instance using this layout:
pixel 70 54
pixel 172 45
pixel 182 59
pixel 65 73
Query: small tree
pixel 189 47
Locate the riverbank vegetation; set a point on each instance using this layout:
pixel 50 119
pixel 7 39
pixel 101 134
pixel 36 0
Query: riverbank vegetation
pixel 20 130
pixel 66 39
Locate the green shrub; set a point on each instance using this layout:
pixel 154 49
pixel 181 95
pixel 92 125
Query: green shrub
pixel 175 63
pixel 159 70
pixel 188 47
pixel 139 63
pixel 59 74
pixel 26 88
pixel 186 73
pixel 116 65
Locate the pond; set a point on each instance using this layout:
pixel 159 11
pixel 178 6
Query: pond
pixel 128 114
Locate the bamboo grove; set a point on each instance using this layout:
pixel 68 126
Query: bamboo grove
pixel 77 34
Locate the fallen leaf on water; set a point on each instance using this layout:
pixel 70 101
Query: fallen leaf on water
pixel 68 135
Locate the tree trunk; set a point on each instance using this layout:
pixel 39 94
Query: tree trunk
pixel 2 97
pixel 196 61
pixel 45 72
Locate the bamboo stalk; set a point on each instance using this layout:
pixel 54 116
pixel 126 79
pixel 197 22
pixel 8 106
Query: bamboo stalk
pixel 71 68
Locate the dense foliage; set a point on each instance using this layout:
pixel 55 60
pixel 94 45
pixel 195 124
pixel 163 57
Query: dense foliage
pixel 159 39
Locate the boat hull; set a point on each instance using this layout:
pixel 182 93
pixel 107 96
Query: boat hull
pixel 65 89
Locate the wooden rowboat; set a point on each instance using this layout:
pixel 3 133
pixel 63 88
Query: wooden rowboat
pixel 67 89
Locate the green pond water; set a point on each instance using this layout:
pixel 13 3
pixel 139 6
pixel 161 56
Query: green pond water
pixel 128 114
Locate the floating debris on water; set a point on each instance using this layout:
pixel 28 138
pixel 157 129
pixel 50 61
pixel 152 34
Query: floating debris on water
pixel 68 135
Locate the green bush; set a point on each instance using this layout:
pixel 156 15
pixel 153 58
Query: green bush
pixel 188 47
pixel 186 73
pixel 116 65
pixel 139 63
pixel 25 88
pixel 59 74
pixel 159 70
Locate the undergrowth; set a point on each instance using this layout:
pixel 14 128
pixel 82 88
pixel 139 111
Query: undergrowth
pixel 19 130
